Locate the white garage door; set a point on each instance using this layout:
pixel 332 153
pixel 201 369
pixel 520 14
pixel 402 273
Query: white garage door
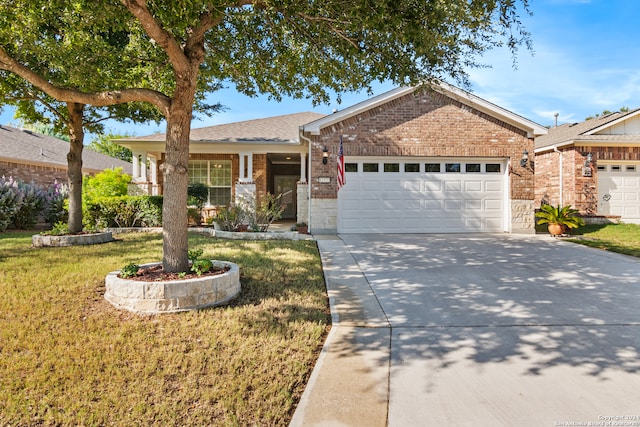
pixel 426 196
pixel 619 191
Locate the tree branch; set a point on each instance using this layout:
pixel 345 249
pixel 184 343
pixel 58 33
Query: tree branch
pixel 97 99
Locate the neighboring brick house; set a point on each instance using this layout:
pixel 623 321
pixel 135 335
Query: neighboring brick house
pixel 423 162
pixel 42 159
pixel 600 163
pixel 436 161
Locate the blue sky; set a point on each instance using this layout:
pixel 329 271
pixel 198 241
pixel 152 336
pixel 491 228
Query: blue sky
pixel 586 58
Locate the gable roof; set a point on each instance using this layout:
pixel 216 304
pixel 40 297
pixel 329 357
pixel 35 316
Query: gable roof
pixel 532 128
pixel 570 133
pixel 282 129
pixel 21 146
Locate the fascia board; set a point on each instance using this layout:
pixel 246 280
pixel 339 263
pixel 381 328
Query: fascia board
pixel 612 123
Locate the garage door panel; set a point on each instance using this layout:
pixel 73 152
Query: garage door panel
pixel 452 186
pixel 473 186
pixel 472 205
pixel 432 186
pixel 422 202
pixel 493 186
pixel 453 205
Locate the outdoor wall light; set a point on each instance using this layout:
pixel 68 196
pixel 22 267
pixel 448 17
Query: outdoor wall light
pixel 587 162
pixel 325 155
pixel 524 159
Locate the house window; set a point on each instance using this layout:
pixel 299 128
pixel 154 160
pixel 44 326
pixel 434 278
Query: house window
pixel 392 167
pixel 452 167
pixel 351 167
pixel 492 167
pixel 631 168
pixel 602 168
pixel 412 167
pixel 216 175
pixel 616 168
pixel 472 167
pixel 432 167
pixel 370 167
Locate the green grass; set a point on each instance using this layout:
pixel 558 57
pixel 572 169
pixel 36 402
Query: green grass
pixel 621 238
pixel 69 358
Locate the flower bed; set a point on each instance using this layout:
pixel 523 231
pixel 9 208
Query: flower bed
pixel 42 240
pixel 172 296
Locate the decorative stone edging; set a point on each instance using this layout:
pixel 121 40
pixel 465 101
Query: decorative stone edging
pixel 174 295
pixel 43 240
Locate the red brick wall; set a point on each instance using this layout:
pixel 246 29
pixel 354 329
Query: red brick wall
pixel 579 191
pixel 426 125
pixel 259 169
pixel 41 175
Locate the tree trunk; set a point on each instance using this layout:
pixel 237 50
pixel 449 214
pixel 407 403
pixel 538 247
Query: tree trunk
pixel 74 166
pixel 175 243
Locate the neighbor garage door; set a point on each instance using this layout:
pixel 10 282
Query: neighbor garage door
pixel 427 196
pixel 619 191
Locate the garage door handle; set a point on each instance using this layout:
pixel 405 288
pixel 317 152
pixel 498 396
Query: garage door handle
pixel 606 197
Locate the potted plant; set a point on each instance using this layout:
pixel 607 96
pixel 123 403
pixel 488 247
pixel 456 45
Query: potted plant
pixel 559 218
pixel 301 227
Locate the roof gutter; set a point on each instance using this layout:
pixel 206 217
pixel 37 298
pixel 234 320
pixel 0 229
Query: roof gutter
pixel 553 147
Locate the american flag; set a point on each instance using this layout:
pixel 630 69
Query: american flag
pixel 341 180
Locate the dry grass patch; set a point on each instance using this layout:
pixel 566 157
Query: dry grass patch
pixel 68 358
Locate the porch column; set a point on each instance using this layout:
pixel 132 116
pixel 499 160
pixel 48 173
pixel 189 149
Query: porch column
pixel 136 166
pixel 153 166
pixel 143 167
pixel 303 168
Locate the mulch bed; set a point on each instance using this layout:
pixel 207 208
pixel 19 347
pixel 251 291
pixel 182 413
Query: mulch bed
pixel 156 273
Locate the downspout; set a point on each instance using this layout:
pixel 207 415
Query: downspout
pixel 301 133
pixel 560 183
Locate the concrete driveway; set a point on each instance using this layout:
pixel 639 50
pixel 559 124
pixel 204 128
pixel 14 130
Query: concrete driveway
pixel 477 330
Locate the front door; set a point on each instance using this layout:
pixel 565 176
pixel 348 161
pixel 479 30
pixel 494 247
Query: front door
pixel 286 187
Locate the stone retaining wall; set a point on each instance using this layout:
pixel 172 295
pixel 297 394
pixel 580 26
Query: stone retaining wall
pixel 173 296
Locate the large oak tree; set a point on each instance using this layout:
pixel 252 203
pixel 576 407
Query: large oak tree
pixel 179 49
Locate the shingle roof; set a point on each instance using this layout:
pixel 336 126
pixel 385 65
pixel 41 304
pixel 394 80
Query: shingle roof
pixel 580 131
pixel 33 148
pixel 278 129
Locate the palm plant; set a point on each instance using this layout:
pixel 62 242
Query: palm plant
pixel 562 216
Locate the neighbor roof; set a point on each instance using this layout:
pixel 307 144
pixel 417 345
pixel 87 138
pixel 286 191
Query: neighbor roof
pixel 277 129
pixel 532 128
pixel 22 146
pixel 569 133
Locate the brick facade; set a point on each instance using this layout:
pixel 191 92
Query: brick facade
pixel 40 175
pixel 260 174
pixel 426 125
pixel 578 191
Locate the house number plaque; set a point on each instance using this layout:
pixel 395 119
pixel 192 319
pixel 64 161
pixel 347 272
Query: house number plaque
pixel 586 171
pixel 324 179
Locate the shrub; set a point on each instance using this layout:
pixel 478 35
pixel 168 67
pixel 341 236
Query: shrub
pixel 9 201
pixel 123 211
pixel 54 208
pixel 32 202
pixel 230 218
pixel 108 183
pixel 197 195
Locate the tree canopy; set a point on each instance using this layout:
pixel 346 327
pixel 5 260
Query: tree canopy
pixel 171 53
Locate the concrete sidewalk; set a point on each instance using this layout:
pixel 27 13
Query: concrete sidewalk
pixel 349 385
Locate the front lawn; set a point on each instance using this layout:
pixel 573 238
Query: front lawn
pixel 621 238
pixel 67 357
